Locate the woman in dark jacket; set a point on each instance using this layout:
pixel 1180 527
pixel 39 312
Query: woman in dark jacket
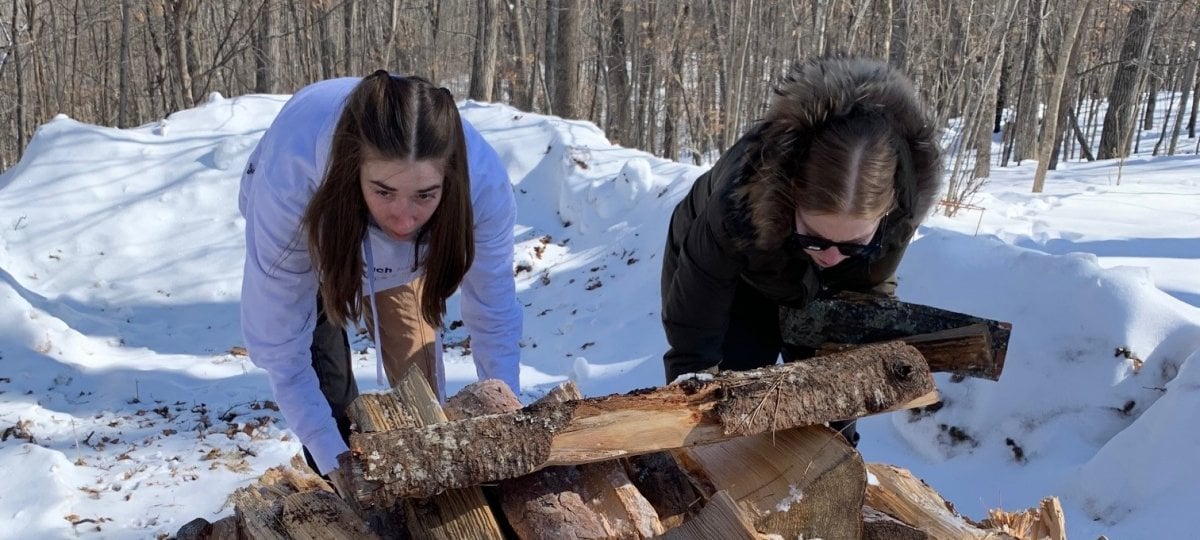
pixel 824 193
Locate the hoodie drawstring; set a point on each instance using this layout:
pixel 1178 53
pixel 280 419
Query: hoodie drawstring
pixel 379 378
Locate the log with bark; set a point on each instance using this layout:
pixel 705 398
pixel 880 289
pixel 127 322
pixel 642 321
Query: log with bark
pixel 595 500
pixel 455 514
pixel 423 461
pixel 950 342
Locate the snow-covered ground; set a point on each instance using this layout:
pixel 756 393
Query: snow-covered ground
pixel 126 414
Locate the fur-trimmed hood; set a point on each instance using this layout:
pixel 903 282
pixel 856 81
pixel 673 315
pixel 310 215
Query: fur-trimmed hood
pixel 809 97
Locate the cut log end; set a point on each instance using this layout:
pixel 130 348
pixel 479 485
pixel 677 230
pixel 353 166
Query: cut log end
pixel 490 396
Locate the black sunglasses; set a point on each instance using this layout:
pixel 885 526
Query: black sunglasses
pixel 849 249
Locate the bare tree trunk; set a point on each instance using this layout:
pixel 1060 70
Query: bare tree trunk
pixel 675 91
pixel 551 63
pixel 6 53
pixel 483 58
pixel 192 63
pixel 1054 100
pixel 724 71
pixel 1162 135
pixel 1061 137
pixel 1002 90
pixel 349 52
pixel 523 89
pixel 1152 84
pixel 1195 105
pixel 431 61
pixel 820 7
pixel 889 15
pixel 177 18
pixel 123 69
pixel 327 51
pixel 38 102
pixel 16 60
pixel 72 68
pixel 1189 79
pixel 567 103
pixel 617 89
pixel 1118 120
pixel 737 51
pixel 1067 123
pixel 265 56
pixel 739 97
pixel 857 17
pixel 1031 75
pixel 647 77
pixel 983 131
pixel 898 37
pixel 1084 145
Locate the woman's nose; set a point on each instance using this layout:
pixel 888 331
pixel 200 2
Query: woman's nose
pixel 404 211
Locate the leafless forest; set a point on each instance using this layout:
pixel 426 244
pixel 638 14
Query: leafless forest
pixel 681 79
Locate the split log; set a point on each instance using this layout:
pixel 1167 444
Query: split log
pixel 306 515
pixel 321 515
pixel 880 526
pixel 453 514
pixel 289 503
pixel 951 342
pixel 588 501
pixel 805 482
pixel 668 489
pixel 898 493
pixel 720 518
pixel 1054 522
pixel 1046 521
pixel 258 509
pixel 425 461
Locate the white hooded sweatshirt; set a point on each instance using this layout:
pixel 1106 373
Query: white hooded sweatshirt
pixel 279 287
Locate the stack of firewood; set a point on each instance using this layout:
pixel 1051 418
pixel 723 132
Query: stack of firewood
pixel 735 455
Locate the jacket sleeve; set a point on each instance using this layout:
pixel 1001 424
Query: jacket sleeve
pixel 490 309
pixel 699 295
pixel 279 289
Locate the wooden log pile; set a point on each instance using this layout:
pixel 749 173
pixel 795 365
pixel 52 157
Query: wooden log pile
pixel 734 455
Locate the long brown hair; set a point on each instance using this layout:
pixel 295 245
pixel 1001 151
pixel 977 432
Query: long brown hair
pixel 850 168
pixel 401 118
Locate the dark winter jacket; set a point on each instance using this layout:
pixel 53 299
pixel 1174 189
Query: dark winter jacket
pixel 736 223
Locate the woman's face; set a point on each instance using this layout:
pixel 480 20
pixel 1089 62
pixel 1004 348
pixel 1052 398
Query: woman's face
pixel 401 194
pixel 836 228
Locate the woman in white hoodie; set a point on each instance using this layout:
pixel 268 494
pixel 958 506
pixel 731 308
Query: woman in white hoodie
pixel 372 198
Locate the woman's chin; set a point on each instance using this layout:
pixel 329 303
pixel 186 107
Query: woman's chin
pixel 399 237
